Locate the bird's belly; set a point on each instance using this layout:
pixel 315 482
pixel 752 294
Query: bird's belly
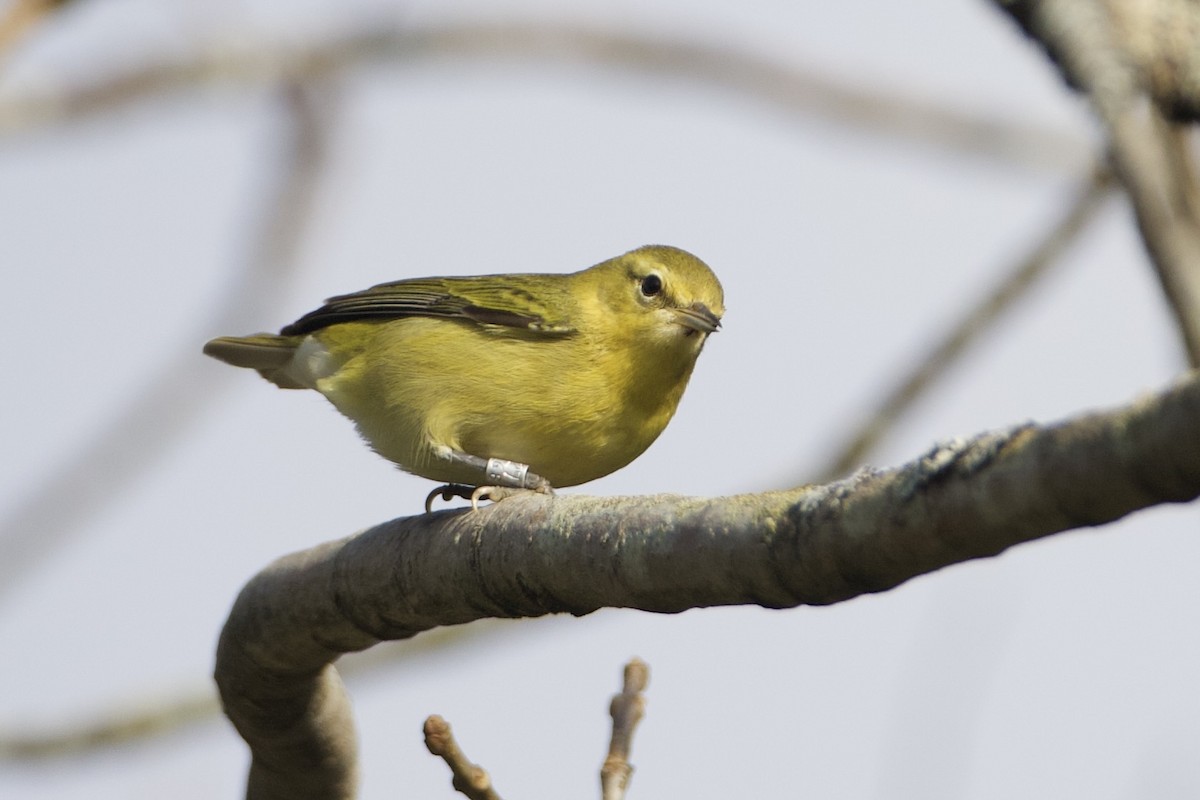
pixel 564 451
pixel 578 428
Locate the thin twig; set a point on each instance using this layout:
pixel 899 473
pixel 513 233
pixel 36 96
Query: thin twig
pixel 469 779
pixel 134 439
pixel 980 318
pixel 626 710
pixel 782 86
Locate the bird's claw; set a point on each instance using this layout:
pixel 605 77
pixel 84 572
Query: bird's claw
pixel 447 492
pixel 476 493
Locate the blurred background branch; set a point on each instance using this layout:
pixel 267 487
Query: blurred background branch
pixel 1139 65
pixel 1022 277
pixel 21 16
pixel 132 722
pixel 175 394
pixel 786 87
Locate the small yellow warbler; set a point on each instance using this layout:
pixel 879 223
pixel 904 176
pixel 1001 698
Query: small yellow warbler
pixel 503 382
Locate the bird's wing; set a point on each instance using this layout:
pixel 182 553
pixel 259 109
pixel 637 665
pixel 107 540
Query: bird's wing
pixel 511 301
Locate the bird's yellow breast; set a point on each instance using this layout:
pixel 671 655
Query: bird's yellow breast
pixel 573 407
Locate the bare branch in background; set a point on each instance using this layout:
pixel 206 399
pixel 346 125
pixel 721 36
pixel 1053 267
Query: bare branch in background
pixel 23 15
pixel 536 555
pixel 1163 189
pixel 1148 45
pixel 136 438
pixel 470 780
pixel 1020 280
pixel 779 85
pixel 1138 63
pixel 626 710
pixel 130 725
pixel 134 724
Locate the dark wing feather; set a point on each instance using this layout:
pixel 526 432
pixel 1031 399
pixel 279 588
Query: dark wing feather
pixel 539 303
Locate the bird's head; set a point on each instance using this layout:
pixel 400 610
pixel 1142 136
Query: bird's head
pixel 661 295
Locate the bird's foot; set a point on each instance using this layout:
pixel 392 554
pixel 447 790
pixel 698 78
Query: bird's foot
pixel 477 493
pixel 498 493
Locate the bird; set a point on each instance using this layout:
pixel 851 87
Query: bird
pixel 495 384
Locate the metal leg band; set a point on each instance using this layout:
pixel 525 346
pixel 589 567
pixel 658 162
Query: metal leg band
pixel 506 473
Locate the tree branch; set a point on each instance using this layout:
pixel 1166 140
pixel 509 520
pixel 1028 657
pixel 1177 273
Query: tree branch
pixel 536 555
pixel 1115 58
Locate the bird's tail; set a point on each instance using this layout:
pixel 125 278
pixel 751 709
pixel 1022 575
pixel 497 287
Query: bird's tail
pixel 271 355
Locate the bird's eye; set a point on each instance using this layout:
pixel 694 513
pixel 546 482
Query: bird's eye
pixel 651 285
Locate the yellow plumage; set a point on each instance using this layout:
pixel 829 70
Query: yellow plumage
pixel 572 375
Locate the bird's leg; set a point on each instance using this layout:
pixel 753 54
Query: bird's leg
pixel 500 479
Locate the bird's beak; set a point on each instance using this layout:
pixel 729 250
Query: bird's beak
pixel 697 317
